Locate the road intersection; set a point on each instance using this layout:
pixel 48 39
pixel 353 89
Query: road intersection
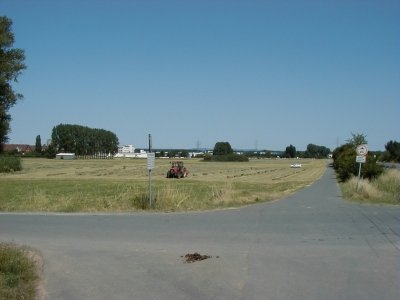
pixel 311 245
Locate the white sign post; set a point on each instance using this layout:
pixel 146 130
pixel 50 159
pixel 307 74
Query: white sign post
pixel 361 158
pixel 151 157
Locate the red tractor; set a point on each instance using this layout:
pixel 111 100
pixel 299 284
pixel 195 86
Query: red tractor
pixel 177 170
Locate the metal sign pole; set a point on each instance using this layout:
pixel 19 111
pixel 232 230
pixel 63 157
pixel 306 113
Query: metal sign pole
pixel 150 200
pixel 359 175
pixel 362 151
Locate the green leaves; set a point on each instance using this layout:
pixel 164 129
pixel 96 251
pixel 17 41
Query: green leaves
pixel 83 140
pixel 222 148
pixel 11 66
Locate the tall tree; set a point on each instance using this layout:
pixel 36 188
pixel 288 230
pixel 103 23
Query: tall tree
pixel 83 140
pixel 393 151
pixel 11 66
pixel 357 139
pixel 316 151
pixel 290 151
pixel 222 148
pixel 38 144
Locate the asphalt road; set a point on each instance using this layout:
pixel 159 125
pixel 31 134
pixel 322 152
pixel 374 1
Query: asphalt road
pixel 312 245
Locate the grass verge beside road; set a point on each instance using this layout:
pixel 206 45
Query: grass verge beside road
pixel 18 273
pixel 120 185
pixel 383 190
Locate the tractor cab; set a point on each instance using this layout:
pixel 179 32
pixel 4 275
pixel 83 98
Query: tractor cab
pixel 177 170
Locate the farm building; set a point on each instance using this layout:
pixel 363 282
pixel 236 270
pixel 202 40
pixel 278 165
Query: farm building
pixel 129 151
pixel 67 156
pixel 18 148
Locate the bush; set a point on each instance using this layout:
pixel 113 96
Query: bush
pixel 227 157
pixel 10 164
pixel 392 153
pixel 344 163
pixel 207 157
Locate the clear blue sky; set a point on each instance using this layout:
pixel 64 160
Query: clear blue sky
pixel 258 74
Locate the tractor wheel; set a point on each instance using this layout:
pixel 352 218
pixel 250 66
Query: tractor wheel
pixel 179 175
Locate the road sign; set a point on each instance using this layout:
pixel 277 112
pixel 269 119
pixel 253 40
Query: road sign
pixel 362 149
pixel 361 159
pixel 151 157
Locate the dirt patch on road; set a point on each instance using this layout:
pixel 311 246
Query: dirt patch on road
pixel 193 257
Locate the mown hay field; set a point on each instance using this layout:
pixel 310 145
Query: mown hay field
pixel 121 185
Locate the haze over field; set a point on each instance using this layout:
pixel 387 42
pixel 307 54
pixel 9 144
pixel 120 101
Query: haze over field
pixel 258 74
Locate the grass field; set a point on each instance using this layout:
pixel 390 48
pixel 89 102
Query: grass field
pixel 120 185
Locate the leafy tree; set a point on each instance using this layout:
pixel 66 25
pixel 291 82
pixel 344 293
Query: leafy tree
pixel 392 153
pixel 344 161
pixel 315 151
pixel 50 151
pixel 357 139
pixel 83 140
pixel 11 66
pixel 184 153
pixel 223 152
pixel 290 151
pixel 222 148
pixel 38 144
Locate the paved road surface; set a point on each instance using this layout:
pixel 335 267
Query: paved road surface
pixel 312 245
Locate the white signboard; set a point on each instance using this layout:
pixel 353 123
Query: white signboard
pixel 361 159
pixel 151 158
pixel 362 150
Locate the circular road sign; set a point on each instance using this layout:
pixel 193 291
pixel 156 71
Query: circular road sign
pixel 362 149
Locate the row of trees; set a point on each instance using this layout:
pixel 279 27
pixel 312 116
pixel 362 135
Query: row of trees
pixel 83 140
pixel 313 151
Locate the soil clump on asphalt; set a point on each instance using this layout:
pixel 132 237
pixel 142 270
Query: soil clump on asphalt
pixel 193 257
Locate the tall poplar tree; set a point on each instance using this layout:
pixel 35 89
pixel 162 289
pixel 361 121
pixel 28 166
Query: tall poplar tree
pixel 11 66
pixel 38 144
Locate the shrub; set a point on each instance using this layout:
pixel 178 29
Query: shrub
pixel 207 157
pixel 344 162
pixel 10 164
pixel 228 157
pixel 392 153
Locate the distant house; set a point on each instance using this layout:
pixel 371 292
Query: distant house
pixel 66 156
pixel 126 149
pixel 129 151
pixel 18 148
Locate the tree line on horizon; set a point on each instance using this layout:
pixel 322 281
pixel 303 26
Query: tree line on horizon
pixel 83 140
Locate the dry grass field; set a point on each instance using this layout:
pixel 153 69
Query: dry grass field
pixel 120 185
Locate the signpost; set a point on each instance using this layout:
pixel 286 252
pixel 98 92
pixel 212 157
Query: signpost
pixel 151 157
pixel 361 158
